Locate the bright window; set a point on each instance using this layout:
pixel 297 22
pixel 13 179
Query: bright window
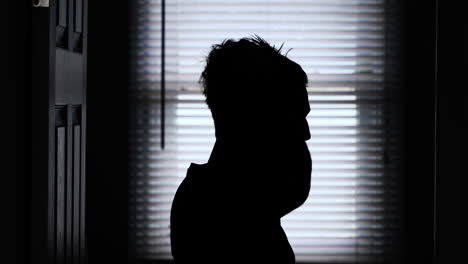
pixel 349 216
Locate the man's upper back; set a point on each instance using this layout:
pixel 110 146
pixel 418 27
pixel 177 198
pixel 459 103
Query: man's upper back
pixel 213 218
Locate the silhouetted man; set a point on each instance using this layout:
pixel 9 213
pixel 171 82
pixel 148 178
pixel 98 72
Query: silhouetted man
pixel 229 210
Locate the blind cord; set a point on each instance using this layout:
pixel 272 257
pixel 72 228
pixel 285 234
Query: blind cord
pixel 163 73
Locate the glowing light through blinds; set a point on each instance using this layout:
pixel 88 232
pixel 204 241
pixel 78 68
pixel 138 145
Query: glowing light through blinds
pixel 349 215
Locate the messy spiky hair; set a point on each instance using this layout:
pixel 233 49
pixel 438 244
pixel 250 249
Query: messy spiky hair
pixel 246 72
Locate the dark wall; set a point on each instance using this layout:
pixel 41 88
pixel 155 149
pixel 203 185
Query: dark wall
pixel 419 61
pixel 452 131
pixel 436 121
pixel 14 121
pixel 107 120
pixel 436 130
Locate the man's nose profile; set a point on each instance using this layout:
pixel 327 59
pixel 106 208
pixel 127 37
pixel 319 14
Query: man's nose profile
pixel 229 209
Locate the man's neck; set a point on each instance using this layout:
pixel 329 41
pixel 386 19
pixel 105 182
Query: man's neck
pixel 249 152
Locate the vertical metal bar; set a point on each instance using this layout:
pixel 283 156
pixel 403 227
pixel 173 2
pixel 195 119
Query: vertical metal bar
pixel 163 72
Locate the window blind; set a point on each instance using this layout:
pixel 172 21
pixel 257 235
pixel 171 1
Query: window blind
pixel 351 213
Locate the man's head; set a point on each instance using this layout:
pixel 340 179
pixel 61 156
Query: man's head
pixel 252 89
